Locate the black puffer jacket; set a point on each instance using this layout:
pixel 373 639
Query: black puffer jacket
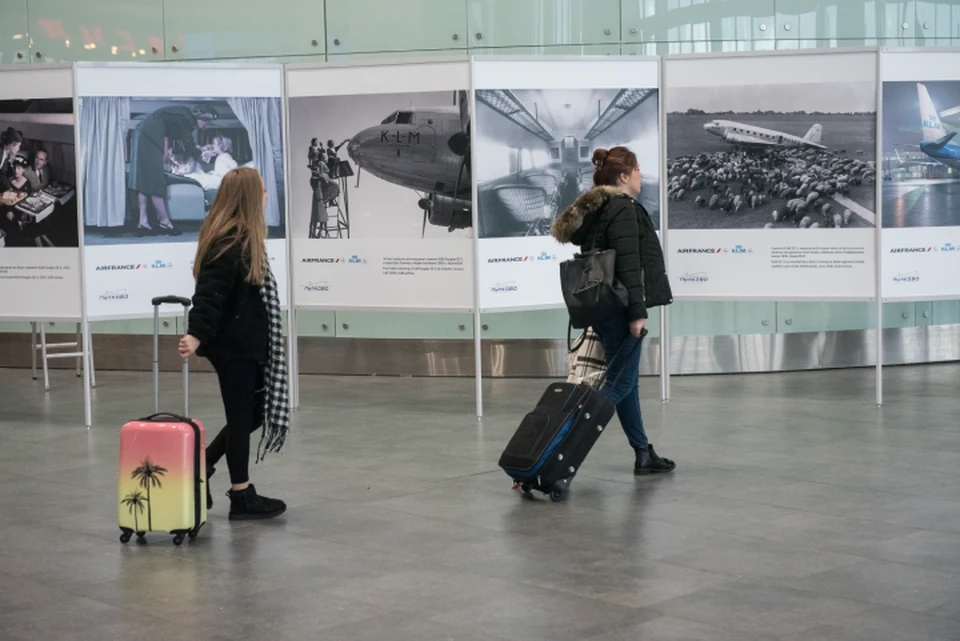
pixel 606 218
pixel 228 316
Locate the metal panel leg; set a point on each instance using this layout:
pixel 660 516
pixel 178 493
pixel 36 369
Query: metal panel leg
pixel 33 349
pixel 88 346
pixel 43 353
pixel 79 353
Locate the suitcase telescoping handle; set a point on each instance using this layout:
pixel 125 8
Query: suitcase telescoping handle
pixel 157 302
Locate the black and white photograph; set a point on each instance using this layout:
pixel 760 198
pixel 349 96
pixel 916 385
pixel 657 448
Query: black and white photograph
pixel 921 154
pixel 775 156
pixel 535 149
pixel 379 166
pixel 153 166
pixel 38 206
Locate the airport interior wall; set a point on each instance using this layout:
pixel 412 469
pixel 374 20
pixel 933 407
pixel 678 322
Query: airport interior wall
pixel 37 32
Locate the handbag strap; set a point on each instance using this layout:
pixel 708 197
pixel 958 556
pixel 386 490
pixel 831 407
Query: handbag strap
pixel 570 346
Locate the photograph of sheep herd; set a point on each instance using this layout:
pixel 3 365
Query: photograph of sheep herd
pixel 778 157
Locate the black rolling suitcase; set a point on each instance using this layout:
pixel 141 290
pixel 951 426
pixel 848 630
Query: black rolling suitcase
pixel 553 440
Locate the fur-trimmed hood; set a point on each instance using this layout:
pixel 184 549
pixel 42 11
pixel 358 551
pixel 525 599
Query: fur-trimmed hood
pixel 567 224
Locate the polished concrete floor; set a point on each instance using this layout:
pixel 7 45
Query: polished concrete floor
pixel 799 512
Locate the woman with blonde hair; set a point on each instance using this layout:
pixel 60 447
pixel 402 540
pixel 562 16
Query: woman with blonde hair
pixel 235 324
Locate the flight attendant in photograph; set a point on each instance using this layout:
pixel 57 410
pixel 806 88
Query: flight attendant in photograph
pixel 152 146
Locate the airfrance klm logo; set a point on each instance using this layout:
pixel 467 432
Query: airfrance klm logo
pixel 504 288
pixel 546 256
pixel 907 277
pixel 740 249
pixel 932 122
pixel 699 250
pixel 699 277
pixel 509 259
pixel 356 260
pixel 325 261
pixel 911 250
pixel 159 264
pixel 117 268
pixel 950 247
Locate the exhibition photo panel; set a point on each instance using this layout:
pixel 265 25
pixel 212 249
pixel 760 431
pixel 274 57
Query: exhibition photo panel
pixel 153 160
pixel 772 171
pixel 538 123
pixel 380 183
pixel 39 238
pixel 920 167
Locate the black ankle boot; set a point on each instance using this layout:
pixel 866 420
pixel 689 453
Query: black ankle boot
pixel 649 462
pixel 248 505
pixel 210 471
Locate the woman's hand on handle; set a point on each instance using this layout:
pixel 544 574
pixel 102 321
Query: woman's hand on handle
pixel 188 346
pixel 637 327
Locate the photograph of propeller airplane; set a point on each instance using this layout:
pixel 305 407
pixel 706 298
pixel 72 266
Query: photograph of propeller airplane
pixel 426 150
pixel 744 135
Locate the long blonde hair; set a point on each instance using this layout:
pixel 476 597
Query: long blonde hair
pixel 236 218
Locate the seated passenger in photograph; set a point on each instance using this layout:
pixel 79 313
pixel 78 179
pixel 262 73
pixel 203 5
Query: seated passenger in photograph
pixel 39 173
pixel 182 164
pixel 19 181
pixel 221 149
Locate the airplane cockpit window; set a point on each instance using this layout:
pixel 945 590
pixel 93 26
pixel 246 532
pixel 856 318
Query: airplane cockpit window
pixel 392 118
pixel 404 117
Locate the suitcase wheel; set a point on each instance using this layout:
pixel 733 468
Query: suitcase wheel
pixel 125 535
pixel 178 539
pixel 556 494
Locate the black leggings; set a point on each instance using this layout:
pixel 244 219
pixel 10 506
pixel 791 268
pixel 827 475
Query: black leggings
pixel 242 389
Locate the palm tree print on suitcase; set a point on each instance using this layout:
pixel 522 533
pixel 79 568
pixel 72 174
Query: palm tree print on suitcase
pixel 149 475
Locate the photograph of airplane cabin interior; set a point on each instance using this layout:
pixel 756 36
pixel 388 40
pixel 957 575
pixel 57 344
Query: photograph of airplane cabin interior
pixel 921 154
pixel 535 149
pixel 381 166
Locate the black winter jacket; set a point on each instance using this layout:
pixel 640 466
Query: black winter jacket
pixel 606 218
pixel 228 316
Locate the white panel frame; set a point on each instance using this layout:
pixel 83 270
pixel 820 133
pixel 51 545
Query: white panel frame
pixel 863 65
pixel 309 80
pixel 182 79
pixel 903 65
pixel 44 82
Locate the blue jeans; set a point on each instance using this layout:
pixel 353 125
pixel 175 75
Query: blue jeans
pixel 622 383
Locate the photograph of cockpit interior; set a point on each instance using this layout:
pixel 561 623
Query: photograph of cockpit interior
pixel 534 151
pixel 381 166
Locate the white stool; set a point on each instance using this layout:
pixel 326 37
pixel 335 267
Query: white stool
pixel 43 347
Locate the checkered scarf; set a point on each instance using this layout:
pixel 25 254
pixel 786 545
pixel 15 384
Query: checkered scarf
pixel 277 398
pixel 586 360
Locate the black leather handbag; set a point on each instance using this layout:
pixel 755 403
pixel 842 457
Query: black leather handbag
pixel 590 289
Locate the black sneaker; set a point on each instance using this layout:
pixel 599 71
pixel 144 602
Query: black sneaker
pixel 246 505
pixel 210 471
pixel 649 462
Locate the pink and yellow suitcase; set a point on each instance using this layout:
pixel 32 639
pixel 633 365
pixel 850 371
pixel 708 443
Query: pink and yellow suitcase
pixel 163 462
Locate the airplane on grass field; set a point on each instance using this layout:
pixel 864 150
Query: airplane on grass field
pixel 744 135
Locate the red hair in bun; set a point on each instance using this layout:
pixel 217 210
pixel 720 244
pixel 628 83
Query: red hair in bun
pixel 611 164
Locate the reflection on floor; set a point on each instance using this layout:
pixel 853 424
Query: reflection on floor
pixel 798 512
pixel 921 203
